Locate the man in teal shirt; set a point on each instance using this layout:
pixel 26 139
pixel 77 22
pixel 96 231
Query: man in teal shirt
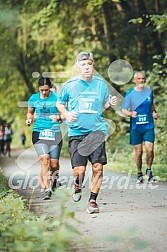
pixel 81 101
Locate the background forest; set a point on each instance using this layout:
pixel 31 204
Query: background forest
pixel 40 36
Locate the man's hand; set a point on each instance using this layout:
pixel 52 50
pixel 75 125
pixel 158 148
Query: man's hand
pixel 113 100
pixel 133 114
pixel 54 118
pixel 128 113
pixel 71 116
pixel 155 115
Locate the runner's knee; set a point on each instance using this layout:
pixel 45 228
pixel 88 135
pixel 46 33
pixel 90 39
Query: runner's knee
pixel 97 169
pixel 45 160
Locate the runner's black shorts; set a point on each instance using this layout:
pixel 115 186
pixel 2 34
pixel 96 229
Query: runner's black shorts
pixel 51 147
pixel 87 147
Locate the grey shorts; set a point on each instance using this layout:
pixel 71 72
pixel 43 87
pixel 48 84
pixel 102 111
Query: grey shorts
pixel 87 147
pixel 51 147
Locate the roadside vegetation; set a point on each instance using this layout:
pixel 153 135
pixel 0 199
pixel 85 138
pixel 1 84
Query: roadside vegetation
pixel 21 231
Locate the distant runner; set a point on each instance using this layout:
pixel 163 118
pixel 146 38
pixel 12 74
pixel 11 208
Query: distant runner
pixel 138 105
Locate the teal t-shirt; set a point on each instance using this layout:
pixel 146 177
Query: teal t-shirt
pixel 87 99
pixel 43 109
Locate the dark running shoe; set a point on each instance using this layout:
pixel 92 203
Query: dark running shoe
pixel 139 178
pixel 92 207
pixel 55 184
pixel 48 195
pixel 149 175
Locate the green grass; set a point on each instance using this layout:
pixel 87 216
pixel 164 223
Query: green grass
pixel 121 159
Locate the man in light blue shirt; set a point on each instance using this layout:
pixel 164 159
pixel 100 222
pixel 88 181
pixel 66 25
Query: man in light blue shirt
pixel 81 101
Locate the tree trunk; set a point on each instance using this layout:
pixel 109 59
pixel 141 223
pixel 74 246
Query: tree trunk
pixel 107 9
pixel 22 70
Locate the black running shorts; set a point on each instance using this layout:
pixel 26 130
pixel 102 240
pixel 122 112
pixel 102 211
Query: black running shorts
pixel 87 147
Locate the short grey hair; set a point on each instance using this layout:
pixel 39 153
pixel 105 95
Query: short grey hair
pixel 84 56
pixel 139 72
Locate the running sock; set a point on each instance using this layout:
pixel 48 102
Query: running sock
pixel 78 181
pixel 54 174
pixel 93 196
pixel 148 170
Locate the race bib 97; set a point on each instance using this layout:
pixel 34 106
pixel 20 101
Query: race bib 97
pixel 88 105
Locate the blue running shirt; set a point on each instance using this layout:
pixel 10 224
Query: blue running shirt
pixel 87 99
pixel 141 102
pixel 44 108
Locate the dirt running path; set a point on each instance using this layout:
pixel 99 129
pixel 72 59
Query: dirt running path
pixel 128 212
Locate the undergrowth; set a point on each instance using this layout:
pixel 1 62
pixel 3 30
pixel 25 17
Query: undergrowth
pixel 21 231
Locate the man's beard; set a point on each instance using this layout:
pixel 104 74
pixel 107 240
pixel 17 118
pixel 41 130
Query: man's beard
pixel 141 85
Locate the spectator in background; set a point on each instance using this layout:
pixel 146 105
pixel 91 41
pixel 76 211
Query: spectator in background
pixel 1 139
pixel 7 139
pixel 23 139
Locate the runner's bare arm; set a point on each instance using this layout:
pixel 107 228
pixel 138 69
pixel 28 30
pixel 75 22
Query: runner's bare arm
pixel 70 116
pixel 129 113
